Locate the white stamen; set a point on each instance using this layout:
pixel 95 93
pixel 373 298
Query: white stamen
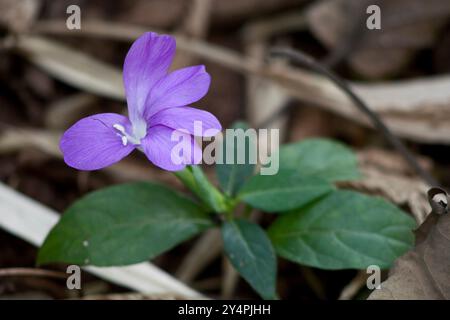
pixel 124 140
pixel 125 136
pixel 119 127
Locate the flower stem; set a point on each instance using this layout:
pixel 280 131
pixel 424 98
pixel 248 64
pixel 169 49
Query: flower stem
pixel 195 180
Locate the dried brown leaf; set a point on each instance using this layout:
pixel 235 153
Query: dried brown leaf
pixel 423 272
pixel 386 174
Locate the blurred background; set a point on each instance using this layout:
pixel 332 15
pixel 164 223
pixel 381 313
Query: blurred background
pixel 51 76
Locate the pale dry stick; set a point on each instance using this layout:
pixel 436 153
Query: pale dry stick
pixel 128 33
pixel 133 296
pixel 263 96
pixel 31 221
pixel 197 20
pixel 230 279
pixel 207 248
pixel 65 111
pixel 194 26
pixel 392 100
pixel 354 286
pixel 72 66
pixel 14 139
pixel 20 272
pixel 393 96
pixel 263 29
pixel 314 282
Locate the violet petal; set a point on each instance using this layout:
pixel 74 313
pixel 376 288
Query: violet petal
pixel 93 143
pixel 185 117
pixel 161 150
pixel 147 61
pixel 178 88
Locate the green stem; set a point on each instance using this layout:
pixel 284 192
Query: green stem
pixel 195 180
pixel 186 177
pixel 247 211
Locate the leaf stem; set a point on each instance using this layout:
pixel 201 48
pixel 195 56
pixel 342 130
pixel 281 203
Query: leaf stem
pixel 247 211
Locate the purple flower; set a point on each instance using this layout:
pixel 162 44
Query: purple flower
pixel 157 105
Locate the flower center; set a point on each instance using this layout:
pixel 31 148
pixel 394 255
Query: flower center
pixel 139 128
pixel 124 135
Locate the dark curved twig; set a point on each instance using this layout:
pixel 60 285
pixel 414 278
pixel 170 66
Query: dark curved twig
pixel 307 61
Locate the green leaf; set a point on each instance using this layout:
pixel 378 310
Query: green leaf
pixel 123 225
pixel 320 158
pixel 250 251
pixel 232 176
pixel 283 191
pixel 346 229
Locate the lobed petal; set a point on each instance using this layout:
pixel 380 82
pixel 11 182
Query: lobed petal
pixel 195 121
pixel 160 147
pixel 147 62
pixel 92 143
pixel 178 88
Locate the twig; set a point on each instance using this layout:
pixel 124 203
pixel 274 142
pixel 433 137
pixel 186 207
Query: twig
pixel 197 19
pixel 206 249
pixel 288 106
pixel 134 296
pixel 353 287
pixel 403 112
pixel 314 282
pixel 194 26
pixel 230 279
pixel 14 139
pixel 263 29
pixel 128 33
pixel 262 95
pixel 309 62
pixel 14 272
